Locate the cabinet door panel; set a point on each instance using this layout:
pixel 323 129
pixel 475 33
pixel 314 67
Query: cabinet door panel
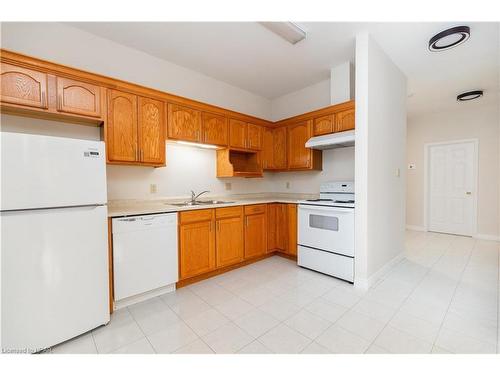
pixel 298 155
pixel 78 97
pixel 254 136
pixel 255 235
pixel 237 133
pixel 292 229
pixel 345 120
pixel 23 86
pixel 121 133
pixel 197 248
pixel 215 129
pixel 151 131
pixel 267 149
pixel 282 227
pixel 271 226
pixel 229 241
pixel 184 123
pixel 323 125
pixel 280 154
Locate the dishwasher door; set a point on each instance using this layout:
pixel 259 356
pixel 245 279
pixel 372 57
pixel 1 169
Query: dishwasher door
pixel 144 253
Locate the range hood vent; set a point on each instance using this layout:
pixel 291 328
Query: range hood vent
pixel 334 140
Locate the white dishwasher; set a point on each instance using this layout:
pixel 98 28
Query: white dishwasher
pixel 144 254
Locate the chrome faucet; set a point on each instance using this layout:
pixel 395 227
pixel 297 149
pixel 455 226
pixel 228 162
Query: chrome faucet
pixel 195 196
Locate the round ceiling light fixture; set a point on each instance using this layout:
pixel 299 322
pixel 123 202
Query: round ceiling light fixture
pixel 449 38
pixel 469 95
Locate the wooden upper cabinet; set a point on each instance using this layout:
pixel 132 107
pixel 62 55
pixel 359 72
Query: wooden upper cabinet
pixel 254 136
pixel 121 131
pixel 279 147
pixel 323 125
pixel 299 157
pixel 214 129
pixel 78 98
pixel 151 131
pixel 184 123
pixel 229 238
pixel 255 235
pixel 268 149
pixel 237 133
pixel 345 120
pixel 197 245
pixel 23 86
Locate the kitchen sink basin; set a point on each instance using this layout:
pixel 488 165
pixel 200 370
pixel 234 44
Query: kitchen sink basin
pixel 197 203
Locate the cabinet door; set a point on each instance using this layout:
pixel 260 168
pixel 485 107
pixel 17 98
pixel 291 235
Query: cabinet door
pixel 229 241
pixel 292 229
pixel 254 136
pixel 267 149
pixel 197 248
pixel 282 227
pixel 151 129
pixel 255 235
pixel 299 156
pixel 237 133
pixel 323 125
pixel 345 120
pixel 279 147
pixel 121 127
pixel 214 129
pixel 271 226
pixel 184 123
pixel 23 86
pixel 79 98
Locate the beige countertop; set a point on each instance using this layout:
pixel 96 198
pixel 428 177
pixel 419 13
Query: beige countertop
pixel 132 207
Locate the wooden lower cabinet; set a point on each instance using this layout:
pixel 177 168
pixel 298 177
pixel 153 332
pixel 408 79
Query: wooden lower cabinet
pixel 229 236
pixel 282 228
pixel 256 233
pixel 292 229
pixel 196 243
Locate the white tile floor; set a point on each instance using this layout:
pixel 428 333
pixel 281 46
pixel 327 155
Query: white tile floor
pixel 442 298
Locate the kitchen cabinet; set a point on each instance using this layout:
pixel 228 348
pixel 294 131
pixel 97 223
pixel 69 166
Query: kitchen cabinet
pixel 214 129
pixel 274 152
pixel 299 156
pixel 323 125
pixel 255 230
pixel 345 120
pixel 79 98
pixel 282 228
pixel 245 135
pixel 196 243
pixel 22 86
pixel 184 123
pixel 271 226
pixel 135 130
pixel 254 136
pixel 229 236
pixel 291 229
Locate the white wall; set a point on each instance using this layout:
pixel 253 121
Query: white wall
pixel 304 100
pixel 70 46
pixel 380 151
pixel 468 121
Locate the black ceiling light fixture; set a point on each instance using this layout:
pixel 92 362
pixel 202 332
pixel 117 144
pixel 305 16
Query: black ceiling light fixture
pixel 469 95
pixel 449 38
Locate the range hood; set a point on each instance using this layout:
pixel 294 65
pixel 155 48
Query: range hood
pixel 334 140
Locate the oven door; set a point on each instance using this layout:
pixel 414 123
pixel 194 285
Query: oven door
pixel 327 228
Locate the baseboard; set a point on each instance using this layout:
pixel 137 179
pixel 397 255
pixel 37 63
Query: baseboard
pixel 144 296
pixel 416 227
pixel 366 283
pixel 487 237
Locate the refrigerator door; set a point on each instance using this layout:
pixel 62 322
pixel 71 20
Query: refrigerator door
pixel 54 275
pixel 42 171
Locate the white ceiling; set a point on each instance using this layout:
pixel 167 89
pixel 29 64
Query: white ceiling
pixel 249 56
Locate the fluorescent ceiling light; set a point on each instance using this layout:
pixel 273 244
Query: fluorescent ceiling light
pixel 194 144
pixel 289 31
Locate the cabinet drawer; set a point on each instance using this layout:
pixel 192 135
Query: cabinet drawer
pixel 196 215
pixel 255 209
pixel 228 212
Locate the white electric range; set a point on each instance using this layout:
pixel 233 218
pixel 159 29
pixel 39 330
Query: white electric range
pixel 326 231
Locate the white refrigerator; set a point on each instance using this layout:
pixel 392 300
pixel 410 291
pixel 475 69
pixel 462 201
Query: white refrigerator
pixel 54 255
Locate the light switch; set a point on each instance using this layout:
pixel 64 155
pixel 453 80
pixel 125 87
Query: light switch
pixel 153 188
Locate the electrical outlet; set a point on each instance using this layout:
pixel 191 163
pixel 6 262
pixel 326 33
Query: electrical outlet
pixel 153 188
pixel 288 185
pixel 412 166
pixel 228 186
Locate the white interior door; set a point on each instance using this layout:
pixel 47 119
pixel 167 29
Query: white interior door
pixel 452 188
